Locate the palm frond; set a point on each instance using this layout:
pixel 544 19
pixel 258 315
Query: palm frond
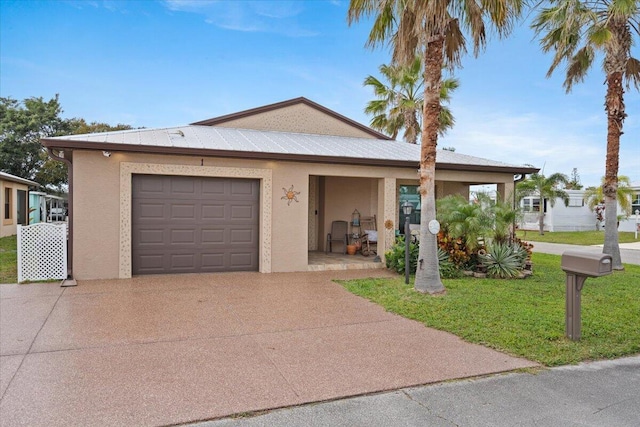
pixel 632 73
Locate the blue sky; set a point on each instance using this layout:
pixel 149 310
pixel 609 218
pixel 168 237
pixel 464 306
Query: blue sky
pixel 165 63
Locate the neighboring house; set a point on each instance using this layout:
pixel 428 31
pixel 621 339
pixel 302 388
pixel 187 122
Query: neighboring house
pixel 255 190
pixel 575 217
pixel 45 207
pixel 631 223
pixel 14 199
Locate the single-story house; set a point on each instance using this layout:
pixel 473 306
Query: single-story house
pixel 255 190
pixel 576 216
pixel 14 199
pixel 45 207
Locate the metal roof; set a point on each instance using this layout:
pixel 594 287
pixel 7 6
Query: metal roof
pixel 247 143
pixel 8 177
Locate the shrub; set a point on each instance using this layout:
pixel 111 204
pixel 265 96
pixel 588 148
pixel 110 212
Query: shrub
pixel 395 256
pixel 456 248
pixel 395 259
pixel 503 260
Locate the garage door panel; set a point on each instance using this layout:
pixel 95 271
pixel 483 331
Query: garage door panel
pixel 214 187
pixel 183 237
pixel 183 186
pixel 151 237
pixel 214 237
pixel 213 262
pixel 242 188
pixel 146 185
pixel 192 224
pixel 210 211
pixel 183 211
pixel 150 263
pixel 151 210
pixel 242 212
pixel 243 236
pixel 241 260
pixel 182 261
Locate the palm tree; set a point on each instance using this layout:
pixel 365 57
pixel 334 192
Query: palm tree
pixel 544 188
pixel 594 196
pixel 469 221
pixel 576 30
pixel 436 30
pixel 399 103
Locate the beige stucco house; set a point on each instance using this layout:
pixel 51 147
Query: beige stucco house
pixel 256 190
pixel 14 199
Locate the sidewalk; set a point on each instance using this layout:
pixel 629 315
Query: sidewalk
pixel 629 252
pixel 595 394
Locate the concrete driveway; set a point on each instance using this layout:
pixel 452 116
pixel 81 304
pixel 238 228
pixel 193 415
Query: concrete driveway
pixel 173 349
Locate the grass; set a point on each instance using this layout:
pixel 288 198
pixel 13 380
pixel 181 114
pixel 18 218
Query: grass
pixel 8 259
pixel 574 237
pixel 524 317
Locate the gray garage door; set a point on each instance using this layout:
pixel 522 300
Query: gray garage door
pixel 193 224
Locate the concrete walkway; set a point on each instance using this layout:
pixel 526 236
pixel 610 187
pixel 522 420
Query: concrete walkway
pixel 597 394
pixel 175 349
pixel 629 252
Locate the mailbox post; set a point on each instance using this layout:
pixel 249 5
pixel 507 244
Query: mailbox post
pixel 579 266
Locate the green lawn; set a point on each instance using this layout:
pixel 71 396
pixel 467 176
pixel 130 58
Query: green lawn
pixel 524 317
pixel 574 237
pixel 8 260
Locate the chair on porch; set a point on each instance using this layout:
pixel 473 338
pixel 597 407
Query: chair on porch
pixel 339 233
pixel 370 237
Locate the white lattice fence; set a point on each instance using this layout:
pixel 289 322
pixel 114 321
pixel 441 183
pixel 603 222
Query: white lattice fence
pixel 42 252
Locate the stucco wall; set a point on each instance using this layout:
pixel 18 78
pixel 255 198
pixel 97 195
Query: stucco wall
pixel 298 118
pixel 344 195
pixel 9 227
pixel 102 211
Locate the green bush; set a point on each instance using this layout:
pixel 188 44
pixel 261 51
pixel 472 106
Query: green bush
pixel 395 256
pixel 395 259
pixel 504 260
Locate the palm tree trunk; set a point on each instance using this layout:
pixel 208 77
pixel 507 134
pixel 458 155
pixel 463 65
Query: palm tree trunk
pixel 614 105
pixel 541 217
pixel 428 273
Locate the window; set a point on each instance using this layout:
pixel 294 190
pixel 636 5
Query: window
pixel 22 208
pixel 576 202
pixel 411 194
pixel 635 203
pixel 532 204
pixel 8 203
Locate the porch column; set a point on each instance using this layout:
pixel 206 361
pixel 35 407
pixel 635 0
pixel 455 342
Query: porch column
pixel 386 214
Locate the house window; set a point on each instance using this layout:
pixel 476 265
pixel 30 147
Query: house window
pixel 635 203
pixel 411 194
pixel 8 203
pixel 532 204
pixel 576 202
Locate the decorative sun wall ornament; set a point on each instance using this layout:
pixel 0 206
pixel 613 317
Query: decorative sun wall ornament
pixel 289 195
pixel 388 224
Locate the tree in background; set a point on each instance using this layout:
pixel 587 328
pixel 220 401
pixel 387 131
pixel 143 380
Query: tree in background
pixel 576 30
pixel 594 197
pixel 548 188
pixel 574 181
pixel 436 30
pixel 23 124
pixel 400 101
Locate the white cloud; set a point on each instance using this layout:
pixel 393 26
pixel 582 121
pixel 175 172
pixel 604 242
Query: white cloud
pixel 279 17
pixel 545 141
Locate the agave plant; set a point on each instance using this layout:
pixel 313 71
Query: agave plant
pixel 503 260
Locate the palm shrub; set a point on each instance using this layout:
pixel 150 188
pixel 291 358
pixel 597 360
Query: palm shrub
pixel 469 221
pixel 504 260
